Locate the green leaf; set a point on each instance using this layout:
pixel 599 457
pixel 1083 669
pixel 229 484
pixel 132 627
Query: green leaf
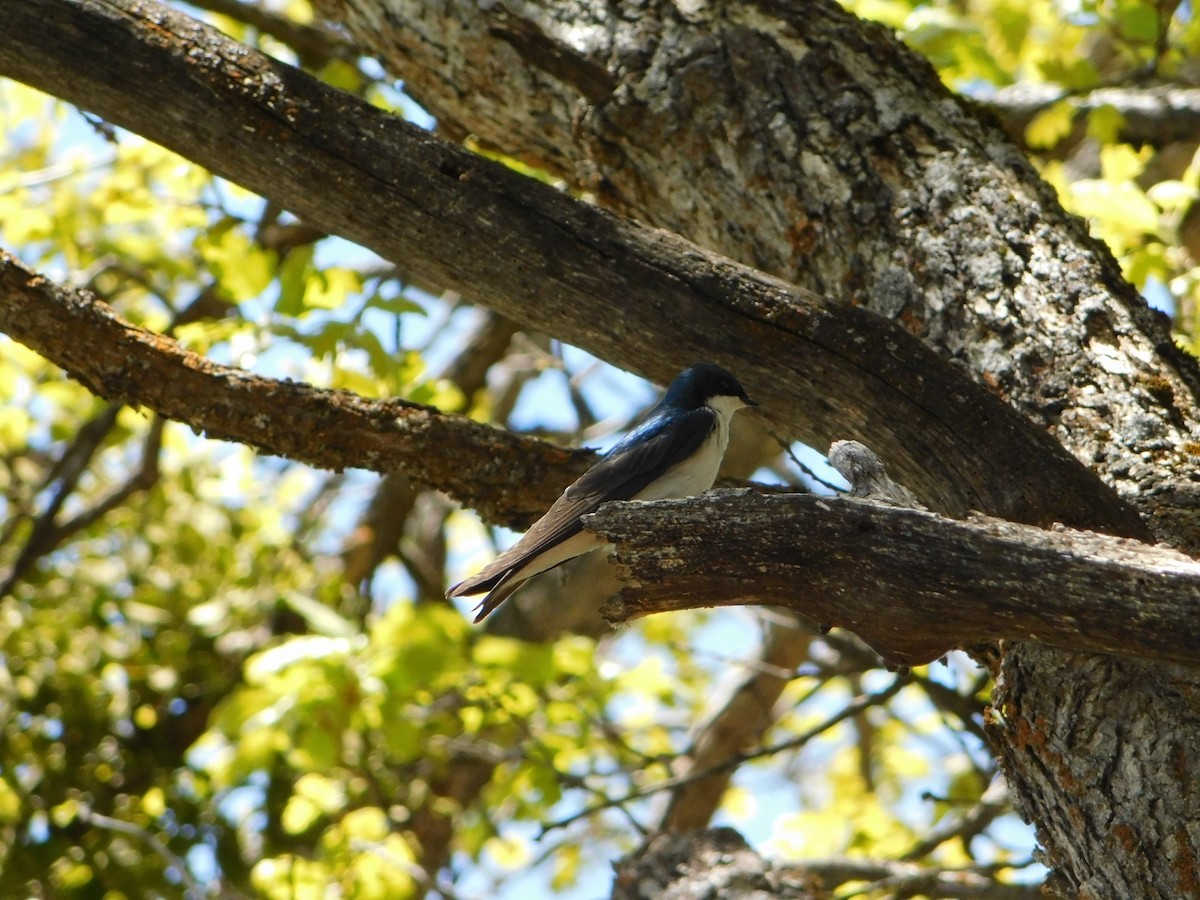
pixel 10 803
pixel 397 304
pixel 299 814
pixel 567 861
pixel 329 288
pixel 317 749
pixel 320 618
pixel 402 738
pixel 1120 163
pixel 293 280
pixel 1050 125
pixel 1138 20
pixel 1012 24
pixel 1105 123
pixel 241 268
pixel 1073 73
pixel 301 648
pixel 1173 196
pixel 342 75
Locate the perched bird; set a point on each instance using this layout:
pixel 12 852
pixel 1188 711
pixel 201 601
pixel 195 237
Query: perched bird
pixel 674 452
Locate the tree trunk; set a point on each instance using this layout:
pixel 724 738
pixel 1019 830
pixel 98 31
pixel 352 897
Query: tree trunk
pixel 797 139
pixel 804 142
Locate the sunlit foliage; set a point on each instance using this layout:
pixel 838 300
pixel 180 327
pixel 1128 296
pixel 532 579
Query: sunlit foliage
pixel 202 689
pixel 1138 197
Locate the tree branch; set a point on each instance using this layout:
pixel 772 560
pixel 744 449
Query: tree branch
pixel 737 719
pixel 719 865
pixel 45 535
pixel 315 44
pixel 729 764
pixel 507 477
pixel 904 879
pixel 816 147
pixel 912 584
pixel 1157 115
pixel 542 258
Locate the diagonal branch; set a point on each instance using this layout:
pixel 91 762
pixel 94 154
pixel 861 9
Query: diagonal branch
pixel 314 44
pixel 1156 115
pixel 643 299
pixel 45 534
pixel 911 583
pixel 738 720
pixel 507 477
pixel 859 704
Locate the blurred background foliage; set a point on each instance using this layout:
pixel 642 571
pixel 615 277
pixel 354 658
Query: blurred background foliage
pixel 229 675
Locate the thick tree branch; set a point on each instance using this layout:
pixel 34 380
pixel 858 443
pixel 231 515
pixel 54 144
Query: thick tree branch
pixel 510 478
pixel 542 258
pixel 911 583
pixel 1157 115
pixel 818 148
pixel 719 865
pixel 880 187
pixel 901 879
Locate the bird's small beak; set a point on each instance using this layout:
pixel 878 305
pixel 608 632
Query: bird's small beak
pixel 749 402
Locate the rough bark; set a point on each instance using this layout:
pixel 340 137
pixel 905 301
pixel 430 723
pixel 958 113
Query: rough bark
pixel 328 429
pixel 713 865
pixel 901 200
pixel 547 260
pixel 816 147
pixel 719 865
pixel 912 584
pixel 1115 778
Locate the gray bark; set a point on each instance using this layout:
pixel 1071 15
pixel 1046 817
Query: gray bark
pixel 548 261
pixel 816 147
pixel 912 584
pixel 808 144
pixel 719 865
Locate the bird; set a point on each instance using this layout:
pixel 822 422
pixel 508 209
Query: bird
pixel 674 451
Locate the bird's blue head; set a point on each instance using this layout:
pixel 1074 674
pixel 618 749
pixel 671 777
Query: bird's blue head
pixel 700 384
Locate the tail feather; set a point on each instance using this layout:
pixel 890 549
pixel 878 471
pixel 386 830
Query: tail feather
pixel 499 585
pixel 477 584
pixel 501 592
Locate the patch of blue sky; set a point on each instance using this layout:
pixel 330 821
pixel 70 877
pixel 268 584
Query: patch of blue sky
pixel 1159 296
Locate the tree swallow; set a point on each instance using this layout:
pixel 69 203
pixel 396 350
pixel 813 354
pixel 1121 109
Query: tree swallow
pixel 674 452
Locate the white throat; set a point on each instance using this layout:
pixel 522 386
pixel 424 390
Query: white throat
pixel 725 407
pixel 697 474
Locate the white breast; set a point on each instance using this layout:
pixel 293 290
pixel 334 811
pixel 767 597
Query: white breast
pixel 696 474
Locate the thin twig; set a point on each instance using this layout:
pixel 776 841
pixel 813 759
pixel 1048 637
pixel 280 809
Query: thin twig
pixel 787 449
pixel 143 479
pixel 67 472
pixel 151 840
pixel 853 708
pixel 993 804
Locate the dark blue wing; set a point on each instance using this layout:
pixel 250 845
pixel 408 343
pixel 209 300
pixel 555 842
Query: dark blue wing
pixel 642 456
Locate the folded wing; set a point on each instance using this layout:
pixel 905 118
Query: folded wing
pixel 643 456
